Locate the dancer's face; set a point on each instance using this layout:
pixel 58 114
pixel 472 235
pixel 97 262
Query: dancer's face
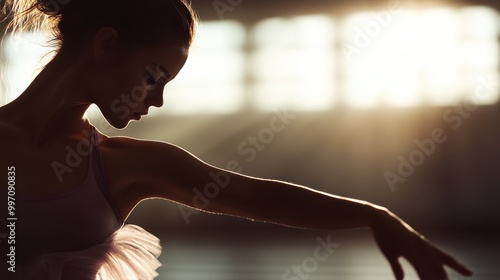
pixel 131 81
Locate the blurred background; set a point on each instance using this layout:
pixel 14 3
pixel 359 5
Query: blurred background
pixel 394 102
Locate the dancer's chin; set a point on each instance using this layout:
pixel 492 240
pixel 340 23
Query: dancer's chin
pixel 119 124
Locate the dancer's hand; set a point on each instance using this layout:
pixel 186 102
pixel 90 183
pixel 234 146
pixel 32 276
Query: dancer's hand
pixel 397 239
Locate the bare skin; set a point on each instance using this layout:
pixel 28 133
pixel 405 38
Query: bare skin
pixel 142 169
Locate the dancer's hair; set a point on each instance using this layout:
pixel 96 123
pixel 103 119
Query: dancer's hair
pixel 138 22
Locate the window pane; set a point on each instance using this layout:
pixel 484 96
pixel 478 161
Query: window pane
pixel 294 64
pixel 420 57
pixel 212 81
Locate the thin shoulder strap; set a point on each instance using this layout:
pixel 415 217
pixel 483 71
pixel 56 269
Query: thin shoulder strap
pixel 90 138
pixel 100 174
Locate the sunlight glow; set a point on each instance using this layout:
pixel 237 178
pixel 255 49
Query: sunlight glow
pixel 293 64
pixel 212 81
pixel 421 57
pixel 26 54
pixel 427 57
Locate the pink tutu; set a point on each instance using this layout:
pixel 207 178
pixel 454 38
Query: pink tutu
pixel 129 253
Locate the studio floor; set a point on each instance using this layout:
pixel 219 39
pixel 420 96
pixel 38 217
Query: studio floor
pixel 350 254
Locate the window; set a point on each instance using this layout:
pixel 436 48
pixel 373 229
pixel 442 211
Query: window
pixel 293 63
pixel 212 81
pixel 427 57
pixel 420 57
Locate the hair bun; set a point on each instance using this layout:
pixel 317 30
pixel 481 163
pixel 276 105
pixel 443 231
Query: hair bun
pixel 52 7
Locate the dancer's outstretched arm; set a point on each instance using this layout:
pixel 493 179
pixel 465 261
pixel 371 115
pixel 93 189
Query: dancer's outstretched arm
pixel 157 169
